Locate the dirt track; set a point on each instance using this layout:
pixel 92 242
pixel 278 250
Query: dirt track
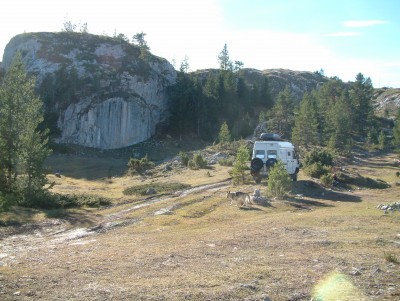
pixel 194 246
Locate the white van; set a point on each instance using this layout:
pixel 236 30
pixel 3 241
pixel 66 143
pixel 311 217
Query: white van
pixel 267 152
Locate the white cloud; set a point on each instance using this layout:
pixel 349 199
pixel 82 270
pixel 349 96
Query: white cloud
pixel 364 23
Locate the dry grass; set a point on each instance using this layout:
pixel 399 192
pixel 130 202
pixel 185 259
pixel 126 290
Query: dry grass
pixel 326 245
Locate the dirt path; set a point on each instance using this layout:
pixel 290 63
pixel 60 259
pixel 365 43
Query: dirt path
pixel 54 232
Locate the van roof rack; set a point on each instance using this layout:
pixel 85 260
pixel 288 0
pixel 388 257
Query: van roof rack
pixel 270 137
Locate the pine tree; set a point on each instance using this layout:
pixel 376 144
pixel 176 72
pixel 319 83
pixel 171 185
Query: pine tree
pixel 223 59
pixel 281 118
pixel 239 166
pixel 327 96
pixel 224 135
pixel 22 146
pixel 361 93
pixel 305 130
pixel 338 122
pixel 396 130
pixel 279 183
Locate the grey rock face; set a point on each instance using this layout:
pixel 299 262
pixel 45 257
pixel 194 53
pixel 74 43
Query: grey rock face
pixel 109 96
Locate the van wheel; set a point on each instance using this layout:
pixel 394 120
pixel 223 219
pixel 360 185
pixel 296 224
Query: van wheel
pixel 270 162
pixel 256 164
pixel 257 180
pixel 294 177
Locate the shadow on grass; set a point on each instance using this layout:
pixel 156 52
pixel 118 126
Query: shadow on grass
pixel 83 217
pixel 20 220
pixel 310 189
pixel 251 208
pixel 301 203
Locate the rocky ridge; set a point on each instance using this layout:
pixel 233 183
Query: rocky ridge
pixel 109 96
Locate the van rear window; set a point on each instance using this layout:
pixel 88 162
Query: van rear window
pixel 272 154
pixel 260 154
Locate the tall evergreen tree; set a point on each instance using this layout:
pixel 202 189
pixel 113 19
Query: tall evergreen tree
pixel 240 165
pixel 327 96
pixel 361 93
pixel 223 59
pixel 396 129
pixel 281 117
pixel 338 124
pixel 22 146
pixel 305 130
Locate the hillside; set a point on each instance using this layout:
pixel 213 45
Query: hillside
pixel 98 91
pixel 387 101
pixel 191 244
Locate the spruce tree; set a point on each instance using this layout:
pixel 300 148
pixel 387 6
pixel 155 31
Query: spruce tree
pixel 279 183
pixel 305 130
pixel 338 122
pixel 396 130
pixel 224 135
pixel 361 93
pixel 281 119
pixel 240 165
pixel 22 146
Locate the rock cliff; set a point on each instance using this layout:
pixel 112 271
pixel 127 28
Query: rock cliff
pixel 298 81
pixel 387 101
pixel 104 92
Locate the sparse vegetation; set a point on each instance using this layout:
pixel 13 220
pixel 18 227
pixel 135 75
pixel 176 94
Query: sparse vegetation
pixel 139 166
pixel 279 182
pixel 184 158
pixel 168 239
pixel 158 188
pixel 197 162
pixel 390 257
pixel 240 164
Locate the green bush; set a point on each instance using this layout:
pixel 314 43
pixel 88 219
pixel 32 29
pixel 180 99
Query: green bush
pixel 324 157
pixel 184 158
pixel 197 162
pixel 139 165
pixel 317 170
pixel 226 162
pixel 160 188
pixel 279 182
pixel 47 200
pixel 6 201
pixel 327 180
pixel 240 165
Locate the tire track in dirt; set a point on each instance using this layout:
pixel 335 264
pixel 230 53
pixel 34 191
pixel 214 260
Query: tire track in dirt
pixel 54 232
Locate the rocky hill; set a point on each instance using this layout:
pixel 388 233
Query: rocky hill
pixel 298 81
pixel 387 101
pixel 104 92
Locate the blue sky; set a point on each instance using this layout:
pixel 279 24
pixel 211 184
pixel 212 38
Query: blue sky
pixel 341 37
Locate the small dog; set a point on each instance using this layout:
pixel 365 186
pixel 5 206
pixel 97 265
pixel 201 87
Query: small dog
pixel 241 198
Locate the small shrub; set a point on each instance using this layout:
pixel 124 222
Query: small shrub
pixel 324 157
pixel 159 187
pixel 240 166
pixel 6 201
pixel 279 182
pixel 327 180
pixel 226 162
pixel 47 200
pixel 197 162
pixel 139 165
pixel 184 158
pixel 317 170
pixel 391 258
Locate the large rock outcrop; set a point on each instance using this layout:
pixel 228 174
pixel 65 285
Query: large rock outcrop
pixel 299 82
pixel 104 92
pixel 387 101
